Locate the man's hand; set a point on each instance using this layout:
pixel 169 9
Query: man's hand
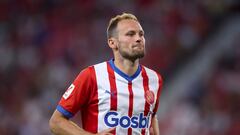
pixel 106 132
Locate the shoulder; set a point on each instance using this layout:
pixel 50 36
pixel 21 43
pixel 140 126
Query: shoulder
pixel 152 74
pixel 90 70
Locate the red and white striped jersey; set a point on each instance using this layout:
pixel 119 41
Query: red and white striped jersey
pixel 107 98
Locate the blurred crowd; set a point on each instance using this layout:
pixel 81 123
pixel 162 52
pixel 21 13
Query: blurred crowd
pixel 45 43
pixel 212 107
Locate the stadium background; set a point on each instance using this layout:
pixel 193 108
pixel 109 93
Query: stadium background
pixel 194 44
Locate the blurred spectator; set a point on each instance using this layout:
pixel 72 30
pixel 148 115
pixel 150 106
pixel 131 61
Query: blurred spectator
pixel 213 106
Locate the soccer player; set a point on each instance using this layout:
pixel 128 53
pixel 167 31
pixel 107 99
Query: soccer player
pixel 118 96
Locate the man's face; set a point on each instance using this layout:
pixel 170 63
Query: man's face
pixel 130 39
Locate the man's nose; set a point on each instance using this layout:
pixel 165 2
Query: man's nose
pixel 139 38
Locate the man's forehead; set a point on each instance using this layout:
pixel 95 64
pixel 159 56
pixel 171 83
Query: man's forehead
pixel 129 25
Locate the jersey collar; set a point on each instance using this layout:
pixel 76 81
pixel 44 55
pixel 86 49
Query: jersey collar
pixel 127 77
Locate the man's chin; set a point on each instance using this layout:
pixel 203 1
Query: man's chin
pixel 134 56
pixel 138 56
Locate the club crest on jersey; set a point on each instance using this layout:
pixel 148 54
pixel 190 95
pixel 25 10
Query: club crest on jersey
pixel 68 91
pixel 149 97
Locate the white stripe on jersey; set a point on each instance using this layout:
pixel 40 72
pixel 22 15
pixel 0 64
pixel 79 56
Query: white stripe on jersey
pixel 138 92
pixel 103 97
pixel 122 100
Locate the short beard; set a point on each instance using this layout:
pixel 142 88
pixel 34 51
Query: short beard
pixel 134 56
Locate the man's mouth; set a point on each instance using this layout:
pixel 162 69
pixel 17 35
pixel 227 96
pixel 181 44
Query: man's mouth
pixel 138 46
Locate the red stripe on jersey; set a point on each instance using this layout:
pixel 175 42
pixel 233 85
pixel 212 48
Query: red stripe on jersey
pixel 90 116
pixel 158 93
pixel 130 110
pixel 146 88
pixel 113 89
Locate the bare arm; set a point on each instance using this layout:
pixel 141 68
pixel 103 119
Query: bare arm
pixel 60 125
pixel 155 126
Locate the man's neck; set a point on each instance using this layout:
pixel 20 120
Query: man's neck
pixel 127 66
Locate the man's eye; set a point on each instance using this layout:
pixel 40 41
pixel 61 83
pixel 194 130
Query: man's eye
pixel 141 33
pixel 130 34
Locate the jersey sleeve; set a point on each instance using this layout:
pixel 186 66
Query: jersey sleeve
pixel 77 95
pixel 160 82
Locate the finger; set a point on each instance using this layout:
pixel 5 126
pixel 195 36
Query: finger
pixel 105 134
pixel 109 130
pixel 151 131
pixel 108 134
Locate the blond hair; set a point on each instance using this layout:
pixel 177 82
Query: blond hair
pixel 111 29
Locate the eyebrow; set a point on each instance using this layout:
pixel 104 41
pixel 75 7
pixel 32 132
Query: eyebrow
pixel 140 31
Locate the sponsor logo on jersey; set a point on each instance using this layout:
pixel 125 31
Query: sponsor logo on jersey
pixel 113 119
pixel 68 91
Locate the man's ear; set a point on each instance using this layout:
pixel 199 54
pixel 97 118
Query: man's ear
pixel 112 43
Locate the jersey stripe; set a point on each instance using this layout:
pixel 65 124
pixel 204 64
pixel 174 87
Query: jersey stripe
pixel 158 93
pixel 130 110
pixel 103 97
pixel 94 118
pixel 146 88
pixel 113 89
pixel 153 85
pixel 138 100
pixel 123 100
